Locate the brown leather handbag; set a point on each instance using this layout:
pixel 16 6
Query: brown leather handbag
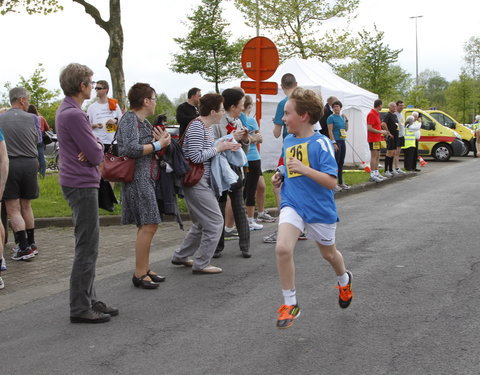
pixel 117 168
pixel 195 173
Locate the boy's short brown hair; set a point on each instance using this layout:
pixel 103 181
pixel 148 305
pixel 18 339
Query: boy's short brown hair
pixel 308 101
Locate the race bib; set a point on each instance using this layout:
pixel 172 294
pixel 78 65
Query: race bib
pixel 111 128
pixel 376 145
pixel 343 133
pixel 299 152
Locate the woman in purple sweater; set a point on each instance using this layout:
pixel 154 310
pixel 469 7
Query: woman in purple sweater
pixel 80 156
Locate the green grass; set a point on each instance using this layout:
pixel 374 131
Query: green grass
pixel 52 204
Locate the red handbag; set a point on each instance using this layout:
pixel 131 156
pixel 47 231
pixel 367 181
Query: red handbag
pixel 118 168
pixel 195 173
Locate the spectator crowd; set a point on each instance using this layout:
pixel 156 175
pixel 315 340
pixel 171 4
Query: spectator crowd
pixel 217 153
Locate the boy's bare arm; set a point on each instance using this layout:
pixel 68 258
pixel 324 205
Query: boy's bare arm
pixel 321 178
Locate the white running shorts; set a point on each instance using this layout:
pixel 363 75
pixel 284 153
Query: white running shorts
pixel 324 234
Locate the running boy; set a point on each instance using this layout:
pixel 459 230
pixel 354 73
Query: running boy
pixel 311 172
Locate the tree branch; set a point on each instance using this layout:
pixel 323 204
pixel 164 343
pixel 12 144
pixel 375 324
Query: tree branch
pixel 92 11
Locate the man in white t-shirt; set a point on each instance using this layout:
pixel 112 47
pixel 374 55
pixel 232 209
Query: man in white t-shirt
pixel 104 116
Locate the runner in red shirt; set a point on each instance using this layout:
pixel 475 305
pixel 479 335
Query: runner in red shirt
pixel 375 135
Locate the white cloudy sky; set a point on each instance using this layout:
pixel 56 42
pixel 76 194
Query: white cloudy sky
pixel 150 25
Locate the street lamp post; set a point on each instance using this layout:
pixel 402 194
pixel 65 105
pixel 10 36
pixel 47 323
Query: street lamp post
pixel 416 47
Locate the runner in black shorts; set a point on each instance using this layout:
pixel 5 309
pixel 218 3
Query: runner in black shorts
pixel 22 134
pixel 392 138
pixel 22 179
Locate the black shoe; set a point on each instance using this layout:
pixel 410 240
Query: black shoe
pixel 101 307
pixel 156 278
pixel 417 170
pixel 246 254
pixel 217 255
pixel 140 282
pixel 90 316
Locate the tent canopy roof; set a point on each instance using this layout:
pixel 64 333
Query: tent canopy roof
pixel 316 75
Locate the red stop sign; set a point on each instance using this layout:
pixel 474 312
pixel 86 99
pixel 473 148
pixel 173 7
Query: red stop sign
pixel 260 58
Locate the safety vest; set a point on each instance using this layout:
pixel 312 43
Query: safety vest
pixel 475 126
pixel 409 138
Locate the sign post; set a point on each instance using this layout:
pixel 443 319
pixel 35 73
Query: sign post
pixel 259 62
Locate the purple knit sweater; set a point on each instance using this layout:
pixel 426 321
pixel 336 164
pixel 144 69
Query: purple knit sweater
pixel 75 135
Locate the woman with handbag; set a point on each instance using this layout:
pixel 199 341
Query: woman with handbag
pixel 139 140
pixel 207 220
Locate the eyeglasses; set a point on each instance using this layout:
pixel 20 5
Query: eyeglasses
pixel 100 88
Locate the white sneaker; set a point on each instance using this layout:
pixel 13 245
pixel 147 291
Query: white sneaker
pixel 254 226
pixel 3 267
pixel 376 179
pixel 394 173
pixel 345 186
pixel 399 171
pixel 265 218
pixel 388 174
pixel 337 189
pixel 2 284
pixel 271 238
pixel 380 177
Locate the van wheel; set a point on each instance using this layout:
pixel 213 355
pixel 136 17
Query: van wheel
pixel 442 152
pixel 466 149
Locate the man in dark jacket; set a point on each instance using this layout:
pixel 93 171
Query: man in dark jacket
pixel 187 111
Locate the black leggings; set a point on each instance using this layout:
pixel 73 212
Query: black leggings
pixel 252 174
pixel 340 158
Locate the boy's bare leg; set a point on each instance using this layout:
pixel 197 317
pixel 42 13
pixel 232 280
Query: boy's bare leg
pixel 334 257
pixel 286 240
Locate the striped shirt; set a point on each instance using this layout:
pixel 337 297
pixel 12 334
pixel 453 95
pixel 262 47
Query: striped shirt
pixel 198 144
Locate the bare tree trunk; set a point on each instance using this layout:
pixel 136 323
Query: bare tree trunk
pixel 114 29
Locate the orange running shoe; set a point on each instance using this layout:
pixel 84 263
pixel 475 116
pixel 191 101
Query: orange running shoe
pixel 346 294
pixel 286 315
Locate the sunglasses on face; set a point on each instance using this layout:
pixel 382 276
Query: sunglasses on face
pixel 99 88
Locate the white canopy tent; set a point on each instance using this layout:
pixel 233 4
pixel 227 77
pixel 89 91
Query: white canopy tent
pixel 318 76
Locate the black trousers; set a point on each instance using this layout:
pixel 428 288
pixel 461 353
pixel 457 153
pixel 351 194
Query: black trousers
pixel 409 158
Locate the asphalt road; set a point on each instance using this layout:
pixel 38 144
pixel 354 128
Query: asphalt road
pixel 413 248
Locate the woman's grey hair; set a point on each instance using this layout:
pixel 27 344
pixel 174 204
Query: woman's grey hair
pixel 72 76
pixel 409 120
pixel 415 114
pixel 17 93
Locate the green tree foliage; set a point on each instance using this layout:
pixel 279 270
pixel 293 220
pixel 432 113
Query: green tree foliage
pixel 44 99
pixel 374 69
pixel 166 107
pixel 459 97
pixel 471 68
pixel 434 86
pixel 35 84
pixel 206 48
pixel 297 25
pixel 472 57
pixel 30 6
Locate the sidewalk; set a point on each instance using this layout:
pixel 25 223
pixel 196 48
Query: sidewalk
pixel 49 272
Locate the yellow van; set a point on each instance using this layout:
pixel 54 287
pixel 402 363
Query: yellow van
pixel 435 140
pixel 446 120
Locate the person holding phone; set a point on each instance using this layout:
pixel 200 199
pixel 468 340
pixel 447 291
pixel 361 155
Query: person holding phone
pixel 139 140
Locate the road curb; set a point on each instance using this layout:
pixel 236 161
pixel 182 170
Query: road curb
pixel 109 220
